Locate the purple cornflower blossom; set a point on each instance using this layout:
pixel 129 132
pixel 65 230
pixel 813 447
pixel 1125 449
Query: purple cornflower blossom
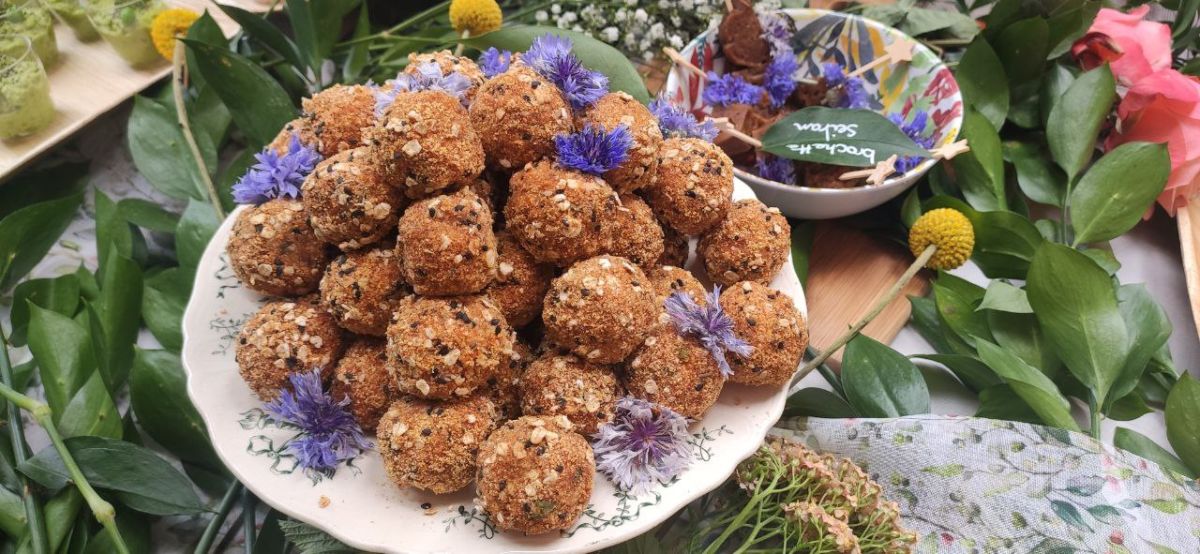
pixel 545 49
pixel 834 74
pixel 276 175
pixel 779 79
pixel 674 121
pixel 494 62
pixel 723 90
pixel 429 77
pixel 710 324
pixel 854 93
pixel 915 130
pixel 775 168
pixel 645 443
pixel 329 435
pixel 594 150
pixel 551 57
pixel 777 31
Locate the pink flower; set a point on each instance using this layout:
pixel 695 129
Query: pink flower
pixel 1135 47
pixel 1164 107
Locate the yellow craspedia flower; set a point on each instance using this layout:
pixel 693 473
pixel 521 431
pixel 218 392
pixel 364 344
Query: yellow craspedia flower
pixel 476 16
pixel 168 26
pixel 950 231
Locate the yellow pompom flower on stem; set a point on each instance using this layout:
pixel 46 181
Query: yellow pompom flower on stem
pixel 475 17
pixel 941 239
pixel 168 26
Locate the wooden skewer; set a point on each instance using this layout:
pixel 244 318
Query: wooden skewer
pixel 728 6
pixel 678 58
pixel 728 127
pixel 946 152
pixel 896 52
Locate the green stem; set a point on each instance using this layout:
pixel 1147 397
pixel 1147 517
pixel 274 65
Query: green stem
pixel 1065 207
pixel 422 17
pixel 828 373
pixel 855 329
pixel 740 518
pixel 248 531
pixel 178 85
pixel 214 526
pixel 1094 409
pixel 35 518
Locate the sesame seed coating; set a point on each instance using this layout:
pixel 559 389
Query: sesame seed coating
pixel 433 445
pixel 362 289
pixel 675 247
pixel 535 475
pixel 517 115
pixel 559 215
pixel 769 321
pixel 349 203
pixel 446 347
pixel 338 115
pixel 751 244
pixel 694 185
pixel 619 108
pixel 634 232
pixel 563 384
pixel 361 375
pixel 446 245
pixel 675 371
pixel 284 337
pixel 504 388
pixel 668 280
pixel 600 309
pixel 426 143
pixel 300 127
pixel 521 282
pixel 274 251
pixel 448 63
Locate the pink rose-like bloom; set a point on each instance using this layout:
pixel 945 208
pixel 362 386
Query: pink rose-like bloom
pixel 1142 47
pixel 1164 107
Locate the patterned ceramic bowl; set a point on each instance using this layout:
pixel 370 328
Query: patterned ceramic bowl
pixel 925 83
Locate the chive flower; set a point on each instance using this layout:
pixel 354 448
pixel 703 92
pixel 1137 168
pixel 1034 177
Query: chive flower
pixel 276 175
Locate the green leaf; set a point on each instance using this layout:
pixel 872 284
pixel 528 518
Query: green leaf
pixel 957 300
pixel 858 138
pixel 196 228
pixel 1126 408
pixel 1114 194
pixel 259 106
pixel 815 402
pixel 925 318
pixel 34 186
pixel 270 539
pixel 973 373
pixel 159 151
pixel 119 310
pixel 1021 48
pixel 1149 328
pixel 158 394
pixel 310 540
pixel 1003 297
pixel 147 215
pixel 920 21
pixel 63 353
pixel 1031 385
pixel 28 233
pixel 140 479
pixel 1067 25
pixel 91 412
pixel 802 243
pixel 983 83
pixel 1055 83
pixel 163 302
pixel 1004 244
pixel 60 295
pixel 311 21
pixel 1037 176
pixel 359 55
pixel 881 382
pixel 1076 119
pixel 595 55
pixel 135 531
pixel 980 172
pixel 1103 258
pixel 1137 443
pixel 1183 419
pixel 1002 402
pixel 114 236
pixel 1022 335
pixel 262 30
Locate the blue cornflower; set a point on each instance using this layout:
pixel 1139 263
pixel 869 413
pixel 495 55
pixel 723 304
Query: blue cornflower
pixel 276 175
pixel 547 48
pixel 551 57
pixel 494 62
pixel 674 121
pixel 775 168
pixel 915 130
pixel 429 77
pixel 710 324
pixel 854 94
pixel 593 150
pixel 777 31
pixel 834 74
pixel 779 79
pixel 723 90
pixel 329 435
pixel 645 443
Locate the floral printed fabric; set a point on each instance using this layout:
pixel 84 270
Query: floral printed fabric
pixel 981 485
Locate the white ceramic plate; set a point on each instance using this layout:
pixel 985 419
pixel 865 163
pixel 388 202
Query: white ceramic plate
pixel 360 507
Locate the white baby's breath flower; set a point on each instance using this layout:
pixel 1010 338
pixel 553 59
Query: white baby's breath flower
pixel 675 41
pixel 555 9
pixel 610 34
pixel 541 16
pixel 640 15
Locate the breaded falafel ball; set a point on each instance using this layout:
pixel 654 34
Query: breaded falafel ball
pixel 338 115
pixel 769 321
pixel 521 282
pixel 750 244
pixel 362 376
pixel 504 388
pixel 600 309
pixel 694 186
pixel 564 384
pixel 274 251
pixel 668 279
pixel 434 445
pixel 447 347
pixel 535 475
pixel 634 232
pixel 449 63
pixel 446 245
pixel 619 108
pixel 675 371
pixel 362 289
pixel 286 337
pixel 349 202
pixel 425 143
pixel 675 247
pixel 559 215
pixel 517 115
pixel 298 127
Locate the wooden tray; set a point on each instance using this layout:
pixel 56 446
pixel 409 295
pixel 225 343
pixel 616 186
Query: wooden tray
pixel 89 80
